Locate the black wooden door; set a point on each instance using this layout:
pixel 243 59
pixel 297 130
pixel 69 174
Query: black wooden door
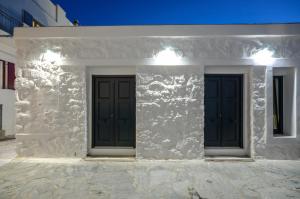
pixel 223 111
pixel 113 111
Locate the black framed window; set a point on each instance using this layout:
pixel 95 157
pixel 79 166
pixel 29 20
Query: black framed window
pixel 30 20
pixel 278 104
pixel 27 18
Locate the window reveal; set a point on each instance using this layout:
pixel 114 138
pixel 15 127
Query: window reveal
pixel 278 104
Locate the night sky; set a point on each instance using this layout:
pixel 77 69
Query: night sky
pixel 152 12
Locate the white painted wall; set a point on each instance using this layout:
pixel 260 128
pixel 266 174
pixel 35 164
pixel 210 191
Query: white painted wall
pixel 46 13
pixel 60 89
pixel 7 49
pixel 42 10
pixel 7 99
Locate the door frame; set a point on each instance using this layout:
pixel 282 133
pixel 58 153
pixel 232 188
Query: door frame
pixel 93 103
pixel 240 104
pixel 105 71
pixel 234 151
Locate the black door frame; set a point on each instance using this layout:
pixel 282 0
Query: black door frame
pixel 241 105
pixel 93 105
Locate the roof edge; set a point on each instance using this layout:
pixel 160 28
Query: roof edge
pixel 157 31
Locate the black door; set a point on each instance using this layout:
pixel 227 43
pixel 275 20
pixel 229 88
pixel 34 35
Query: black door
pixel 223 111
pixel 113 111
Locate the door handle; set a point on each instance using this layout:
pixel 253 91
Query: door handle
pixel 111 115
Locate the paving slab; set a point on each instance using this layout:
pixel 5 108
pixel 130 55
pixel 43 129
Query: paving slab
pixel 7 151
pixel 79 178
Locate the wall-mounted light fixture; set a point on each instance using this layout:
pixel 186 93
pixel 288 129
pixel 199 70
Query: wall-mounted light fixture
pixel 52 57
pixel 168 56
pixel 263 57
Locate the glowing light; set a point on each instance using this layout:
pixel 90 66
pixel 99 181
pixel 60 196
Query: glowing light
pixel 263 57
pixel 52 57
pixel 168 56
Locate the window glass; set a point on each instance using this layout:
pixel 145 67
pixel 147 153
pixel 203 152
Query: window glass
pixel 27 18
pixel 278 104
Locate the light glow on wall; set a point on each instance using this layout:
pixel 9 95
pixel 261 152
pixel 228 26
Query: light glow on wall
pixel 168 56
pixel 52 57
pixel 263 57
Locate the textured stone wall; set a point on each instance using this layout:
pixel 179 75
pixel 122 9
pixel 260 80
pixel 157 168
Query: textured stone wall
pixel 52 107
pixel 169 112
pixel 258 100
pixel 141 48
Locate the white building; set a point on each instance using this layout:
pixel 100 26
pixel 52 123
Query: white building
pixel 159 92
pixel 20 13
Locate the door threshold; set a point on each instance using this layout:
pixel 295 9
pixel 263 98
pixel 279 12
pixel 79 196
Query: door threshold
pixel 112 152
pixel 229 159
pixel 110 159
pixel 225 151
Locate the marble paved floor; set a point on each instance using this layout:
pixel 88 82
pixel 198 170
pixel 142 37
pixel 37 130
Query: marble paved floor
pixel 75 178
pixel 7 151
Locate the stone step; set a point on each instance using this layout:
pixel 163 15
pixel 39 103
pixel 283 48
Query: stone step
pixel 5 137
pixel 229 159
pixel 110 159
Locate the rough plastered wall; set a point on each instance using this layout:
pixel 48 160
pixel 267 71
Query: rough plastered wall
pixel 258 103
pixel 51 101
pixel 169 112
pixel 51 110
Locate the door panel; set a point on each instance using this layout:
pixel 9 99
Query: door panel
pixel 231 108
pixel 125 103
pixel 212 109
pixel 226 110
pixel 113 111
pixel 103 112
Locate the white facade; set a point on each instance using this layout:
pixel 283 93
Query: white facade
pixel 55 65
pixel 7 96
pixel 45 12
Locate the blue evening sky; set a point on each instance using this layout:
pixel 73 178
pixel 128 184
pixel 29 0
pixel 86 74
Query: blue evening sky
pixel 147 12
